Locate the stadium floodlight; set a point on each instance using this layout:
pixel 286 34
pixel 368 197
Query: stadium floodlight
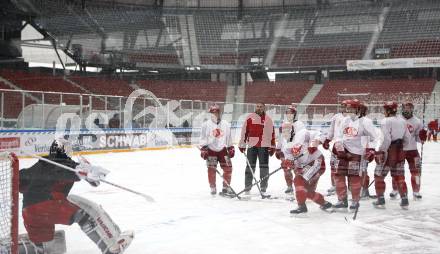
pixel 192 68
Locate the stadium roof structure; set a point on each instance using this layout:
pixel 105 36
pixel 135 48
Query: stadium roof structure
pixel 125 34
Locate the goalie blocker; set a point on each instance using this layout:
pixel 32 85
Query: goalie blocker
pixel 46 202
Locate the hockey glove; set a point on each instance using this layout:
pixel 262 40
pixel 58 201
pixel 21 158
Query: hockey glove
pixel 312 149
pixel 423 135
pixel 231 152
pixel 326 144
pixel 204 152
pixel 369 154
pixel 90 173
pixel 380 157
pixel 242 149
pixel 271 151
pixel 279 154
pixel 286 164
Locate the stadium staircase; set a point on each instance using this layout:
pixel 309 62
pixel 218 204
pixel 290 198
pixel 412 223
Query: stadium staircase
pixel 310 96
pixel 10 85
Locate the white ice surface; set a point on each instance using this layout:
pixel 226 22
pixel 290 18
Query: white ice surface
pixel 186 220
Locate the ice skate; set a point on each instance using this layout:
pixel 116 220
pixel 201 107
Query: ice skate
pixel 327 207
pixel 301 209
pixel 404 203
pixel 289 190
pixel 379 203
pixel 341 205
pixel 417 196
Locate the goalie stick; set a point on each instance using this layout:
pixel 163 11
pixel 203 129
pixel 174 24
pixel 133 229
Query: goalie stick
pixel 147 197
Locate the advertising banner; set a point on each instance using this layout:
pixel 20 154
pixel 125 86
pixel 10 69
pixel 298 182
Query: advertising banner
pixel 396 63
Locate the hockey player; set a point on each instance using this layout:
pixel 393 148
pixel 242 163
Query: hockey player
pixel 417 135
pixel 216 143
pixel 390 155
pixel 351 145
pixel 303 157
pixel 434 129
pixel 335 126
pixel 365 178
pixel 46 202
pixel 288 130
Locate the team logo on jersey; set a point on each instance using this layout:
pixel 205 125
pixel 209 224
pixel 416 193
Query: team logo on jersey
pixel 410 128
pixel 217 133
pixel 296 149
pixel 350 131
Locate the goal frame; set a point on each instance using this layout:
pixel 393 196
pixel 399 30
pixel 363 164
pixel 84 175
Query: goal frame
pixel 14 189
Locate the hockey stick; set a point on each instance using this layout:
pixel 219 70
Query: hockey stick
pixel 271 173
pixel 421 149
pixel 364 144
pixel 255 179
pixel 148 198
pixel 221 175
pixel 229 186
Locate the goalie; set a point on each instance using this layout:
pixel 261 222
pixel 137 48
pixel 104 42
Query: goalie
pixel 46 202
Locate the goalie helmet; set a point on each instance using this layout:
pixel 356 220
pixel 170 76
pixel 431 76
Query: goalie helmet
pixel 60 148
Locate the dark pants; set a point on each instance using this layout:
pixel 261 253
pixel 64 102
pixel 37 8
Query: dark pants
pixel 262 154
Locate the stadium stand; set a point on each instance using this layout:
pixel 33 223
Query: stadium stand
pixel 44 83
pixel 312 36
pixel 104 86
pixel 186 90
pixel 382 89
pixel 14 100
pixel 281 92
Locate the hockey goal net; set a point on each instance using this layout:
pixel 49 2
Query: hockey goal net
pixel 8 203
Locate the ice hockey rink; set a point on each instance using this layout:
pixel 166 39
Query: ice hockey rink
pixel 186 219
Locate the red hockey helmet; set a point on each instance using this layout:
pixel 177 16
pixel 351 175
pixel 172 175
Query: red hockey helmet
pixel 390 105
pixel 291 109
pixel 355 103
pixel 344 102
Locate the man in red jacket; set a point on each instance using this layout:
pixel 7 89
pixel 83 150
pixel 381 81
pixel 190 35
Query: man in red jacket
pixel 258 135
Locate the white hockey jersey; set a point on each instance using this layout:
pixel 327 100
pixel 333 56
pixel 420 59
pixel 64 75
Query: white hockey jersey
pixel 414 125
pixel 305 138
pixel 216 136
pixel 335 126
pixel 357 135
pixel 393 128
pixel 288 135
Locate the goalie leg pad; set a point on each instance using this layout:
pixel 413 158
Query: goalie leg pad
pixel 99 227
pixel 56 246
